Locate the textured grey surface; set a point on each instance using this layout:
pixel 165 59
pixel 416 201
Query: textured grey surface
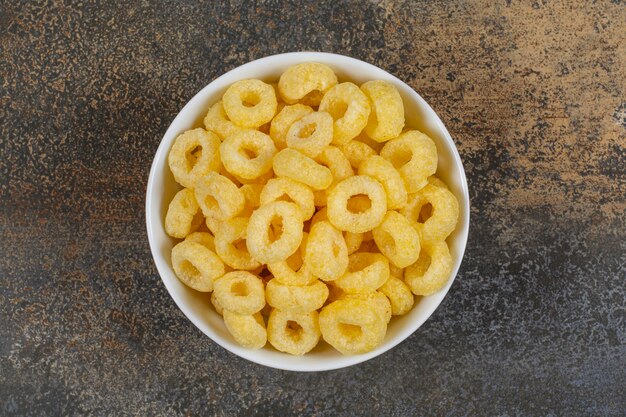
pixel 532 92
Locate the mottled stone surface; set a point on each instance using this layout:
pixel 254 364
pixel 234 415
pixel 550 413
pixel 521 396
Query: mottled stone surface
pixel 534 95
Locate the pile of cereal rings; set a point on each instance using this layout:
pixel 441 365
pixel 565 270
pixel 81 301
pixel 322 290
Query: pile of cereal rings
pixel 309 211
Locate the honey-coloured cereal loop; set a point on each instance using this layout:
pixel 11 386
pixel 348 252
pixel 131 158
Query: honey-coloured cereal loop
pixel 247 329
pixel 196 265
pixel 299 167
pixel 285 189
pixel 397 239
pixel 311 134
pixel 284 119
pixel 183 214
pixel 231 245
pixel 360 220
pixel 353 240
pixel 293 333
pixel 435 181
pixel 384 172
pixel 399 295
pixel 366 273
pixel 350 110
pixel 356 152
pixel 296 298
pixel 217 121
pixel 436 211
pixel 352 326
pixel 218 196
pixel 387 116
pixel 431 271
pixel 414 155
pixel 205 239
pixel 193 155
pixel 268 244
pixel 248 154
pixel 336 161
pixel 377 299
pixel 240 292
pixel 216 305
pixel 250 103
pixel 291 270
pixel 306 82
pixel 326 252
pixel 252 195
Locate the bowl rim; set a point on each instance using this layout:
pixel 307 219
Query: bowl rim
pixel 250 355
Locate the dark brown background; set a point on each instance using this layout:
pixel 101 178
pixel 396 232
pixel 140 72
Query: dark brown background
pixel 534 95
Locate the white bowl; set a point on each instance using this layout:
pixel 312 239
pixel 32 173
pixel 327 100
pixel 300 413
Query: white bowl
pixel 162 187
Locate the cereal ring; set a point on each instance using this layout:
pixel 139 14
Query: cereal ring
pixel 294 333
pixel 240 292
pixel 397 240
pixel 414 155
pixel 296 298
pixel 230 244
pixel 382 171
pixel 349 108
pixel 196 265
pixel 213 225
pixel 360 221
pixel 399 295
pixel 353 240
pixel 252 195
pixel 193 155
pixel 248 330
pixel 433 180
pixel 248 154
pixel 285 189
pixel 352 326
pixel 356 152
pixel 336 161
pixel 366 273
pixel 216 304
pixel 387 116
pixel 436 211
pixel 377 299
pixel 292 164
pixel 431 271
pixel 268 246
pixel 205 239
pixel 284 119
pixel 327 254
pixel 250 103
pixel 291 271
pixel 306 82
pixel 217 121
pixel 183 214
pixel 311 134
pixel 218 196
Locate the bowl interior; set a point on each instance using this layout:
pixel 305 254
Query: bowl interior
pixel 162 187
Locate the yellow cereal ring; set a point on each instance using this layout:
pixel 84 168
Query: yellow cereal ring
pixel 352 326
pixel 183 214
pixel 205 239
pixel 360 221
pixel 286 189
pixel 193 155
pixel 356 152
pixel 293 164
pixel 387 116
pixel 296 298
pixel 353 240
pixel 377 299
pixel 293 333
pixel 311 134
pixel 240 292
pixel 327 254
pixel 248 330
pixel 382 171
pixel 216 304
pixel 267 246
pixel 414 155
pixel 336 161
pixel 291 271
pixel 230 244
pixel 196 265
pixel 252 195
pixel 218 196
pixel 433 180
pixel 284 119
pixel 397 240
pixel 431 271
pixel 349 108
pixel 442 212
pixel 306 82
pixel 366 273
pixel 217 121
pixel 399 295
pixel 213 225
pixel 250 103
pixel 248 154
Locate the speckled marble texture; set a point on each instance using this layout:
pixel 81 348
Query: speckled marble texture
pixel 534 95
